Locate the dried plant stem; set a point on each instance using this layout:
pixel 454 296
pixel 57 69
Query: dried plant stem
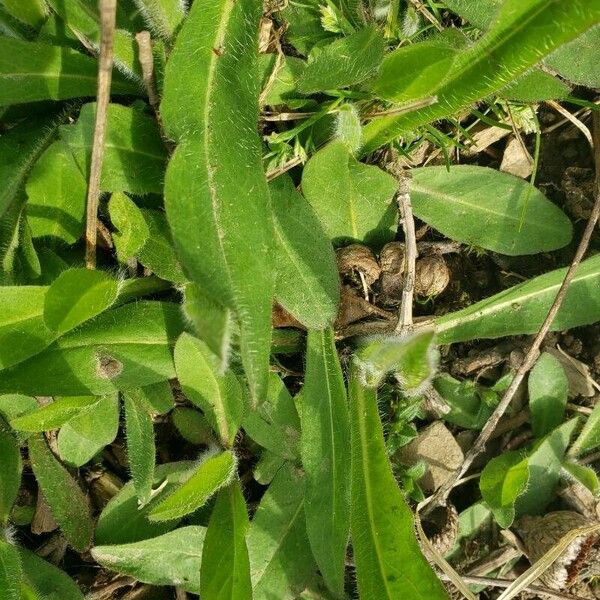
pixel 108 10
pixel 442 493
pixel 146 60
pixel 573 119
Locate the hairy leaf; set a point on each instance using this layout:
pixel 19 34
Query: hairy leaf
pixel 536 85
pixel 32 12
pixel 589 437
pixel 132 228
pixel 10 571
pixel 163 16
pixel 10 474
pixel 53 415
pixel 192 425
pixel 158 397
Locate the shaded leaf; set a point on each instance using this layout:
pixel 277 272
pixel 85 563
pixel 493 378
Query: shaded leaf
pixel 158 397
pixel 10 474
pixel 584 475
pixel 192 425
pixel 214 227
pixel 225 570
pixel 32 12
pixel 132 229
pixel 325 451
pixel 212 474
pixel 53 415
pixel 280 85
pixel 69 505
pixel 522 308
pixel 11 573
pixel 308 283
pixel 487 208
pixel 589 437
pixel 534 86
pixel 389 563
pixel 467 407
pixel 353 201
pixel 170 559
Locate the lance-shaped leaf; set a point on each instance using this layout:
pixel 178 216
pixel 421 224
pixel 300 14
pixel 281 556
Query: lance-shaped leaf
pixel 325 452
pixel 584 475
pixel 33 12
pixel 577 61
pixel 132 228
pixel 169 559
pixel 158 397
pixel 589 437
pixel 225 570
pixel 281 563
pixel 220 396
pixel 127 347
pixel 31 71
pixel 11 573
pixel 141 449
pixel 522 308
pixel 219 213
pixel 212 474
pixel 353 201
pixel 389 563
pixel 308 283
pixel 487 208
pixel 535 27
pixel 53 415
pixel 163 16
pixel 69 505
pixel 10 474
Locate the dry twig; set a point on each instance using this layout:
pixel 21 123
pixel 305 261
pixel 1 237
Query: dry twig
pixel 108 10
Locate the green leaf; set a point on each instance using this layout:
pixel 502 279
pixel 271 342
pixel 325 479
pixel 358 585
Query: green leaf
pixel 141 449
pixel 76 296
pixel 88 432
pixel 31 71
pixel 308 284
pixel 389 563
pixel 134 154
pixel 412 359
pixel 48 581
pixel 545 464
pixel 490 209
pixel 212 322
pixel 481 13
pixel 275 424
pixel 211 475
pixel 127 347
pixel 467 408
pixel 589 437
pixel 353 201
pixel 53 415
pixel 220 396
pixel 267 467
pixel 170 559
pixel 584 475
pixel 548 387
pixel 281 563
pixel 535 86
pixel 56 190
pixel 577 61
pixel 132 228
pixel 32 12
pixel 11 573
pixel 158 397
pixel 10 474
pixel 14 405
pixel 22 318
pixel 522 34
pixel 277 87
pixel 345 62
pixel 69 505
pixel 502 481
pixel 225 570
pixel 522 308
pixel 192 425
pixel 163 16
pixel 223 240
pixel 123 521
pixel 20 148
pixel 325 451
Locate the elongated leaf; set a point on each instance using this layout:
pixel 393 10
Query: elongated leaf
pixel 502 481
pixel 134 155
pixel 548 387
pixel 281 563
pixel 389 563
pixel 158 398
pixel 584 475
pixel 14 405
pixel 481 13
pixel 10 571
pixel 122 521
pixel 141 449
pixel 192 425
pixel 88 432
pixel 123 348
pixel 225 571
pixel 345 62
pixel 283 86
pixel 132 228
pixel 535 28
pixel 353 201
pixel 53 415
pixel 522 308
pixel 589 437
pixel 325 451
pixel 48 581
pixel 535 86
pixel 467 407
pixel 220 396
pixel 19 150
pixel 33 12
pixel 275 424
pixel 69 505
pixel 223 240
pixel 10 474
pixel 308 284
pixel 56 191
pixel 211 475
pixel 31 71
pixel 170 559
pixel 487 208
pixel 76 296
pixel 162 16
